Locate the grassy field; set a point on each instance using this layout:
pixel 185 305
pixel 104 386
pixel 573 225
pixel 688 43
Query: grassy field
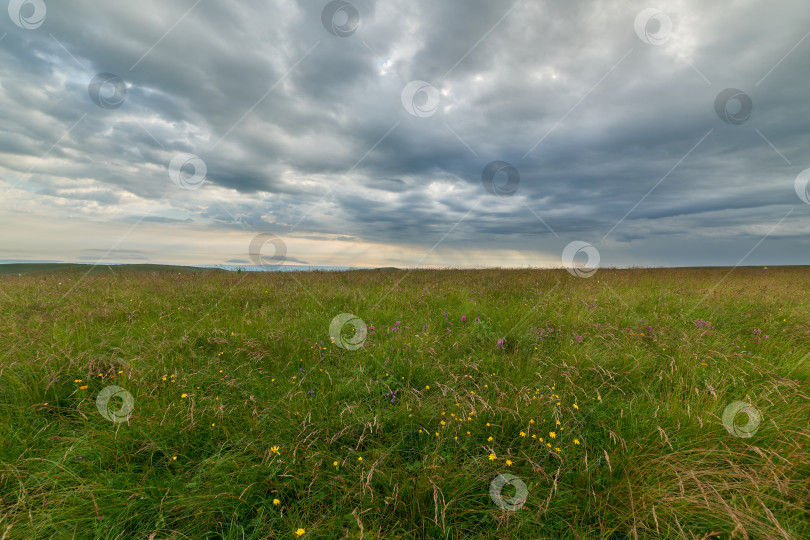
pixel 604 396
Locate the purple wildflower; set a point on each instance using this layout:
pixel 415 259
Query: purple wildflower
pixel 579 339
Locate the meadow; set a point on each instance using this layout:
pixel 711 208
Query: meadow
pixel 603 396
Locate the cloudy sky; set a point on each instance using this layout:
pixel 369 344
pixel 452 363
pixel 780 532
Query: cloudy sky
pixel 405 133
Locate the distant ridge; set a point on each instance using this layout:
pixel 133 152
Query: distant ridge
pixel 11 268
pixel 54 267
pixel 48 268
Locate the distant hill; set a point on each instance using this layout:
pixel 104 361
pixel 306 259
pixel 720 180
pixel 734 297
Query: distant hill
pixel 48 268
pixel 52 268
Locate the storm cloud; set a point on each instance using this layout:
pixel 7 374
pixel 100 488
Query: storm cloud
pixel 362 133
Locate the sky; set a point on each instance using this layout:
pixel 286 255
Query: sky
pixel 464 133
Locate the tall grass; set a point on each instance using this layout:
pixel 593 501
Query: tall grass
pixel 223 368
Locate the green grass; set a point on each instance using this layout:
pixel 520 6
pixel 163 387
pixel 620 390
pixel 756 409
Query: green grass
pixel 653 460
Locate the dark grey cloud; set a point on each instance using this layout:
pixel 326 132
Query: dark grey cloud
pixel 304 133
